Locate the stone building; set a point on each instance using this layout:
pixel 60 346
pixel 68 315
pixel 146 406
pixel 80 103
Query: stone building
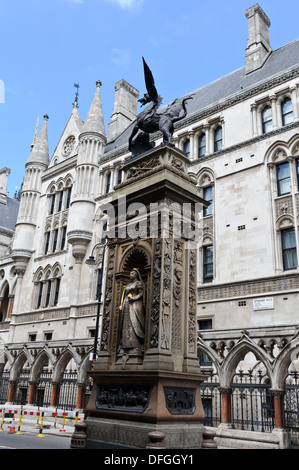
pixel 241 135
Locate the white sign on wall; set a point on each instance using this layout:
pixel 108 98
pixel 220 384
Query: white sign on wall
pixel 266 303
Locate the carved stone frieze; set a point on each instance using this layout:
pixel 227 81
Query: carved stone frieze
pixel 249 288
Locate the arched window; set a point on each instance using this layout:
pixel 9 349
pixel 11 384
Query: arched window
pixel 208 196
pixel 108 182
pixel 289 251
pixel 287 111
pixel 208 263
pixel 267 119
pixel 218 139
pixel 283 179
pixel 201 145
pixel 186 148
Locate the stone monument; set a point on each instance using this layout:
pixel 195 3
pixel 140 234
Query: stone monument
pixel 147 377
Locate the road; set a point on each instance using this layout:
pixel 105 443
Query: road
pixel 29 440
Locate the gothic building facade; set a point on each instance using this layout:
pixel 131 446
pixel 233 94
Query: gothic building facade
pixel 241 135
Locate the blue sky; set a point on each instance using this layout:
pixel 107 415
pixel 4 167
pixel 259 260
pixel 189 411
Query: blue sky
pixel 48 45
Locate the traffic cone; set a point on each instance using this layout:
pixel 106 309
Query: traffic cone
pixel 12 428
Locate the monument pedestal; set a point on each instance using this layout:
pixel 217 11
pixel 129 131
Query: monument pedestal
pixel 125 406
pixel 153 385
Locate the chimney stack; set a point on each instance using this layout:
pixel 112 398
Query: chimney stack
pixel 124 109
pixel 258 44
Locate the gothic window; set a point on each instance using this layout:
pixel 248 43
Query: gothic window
pixel 40 294
pixel 287 111
pixel 186 148
pixel 55 239
pixel 60 201
pixel 208 263
pixel 47 242
pixel 283 179
pixel 266 119
pixel 68 197
pixel 56 222
pixel 201 145
pixel 208 196
pixel 204 359
pixel 289 251
pixel 57 286
pixel 63 238
pixel 218 139
pixel 108 182
pixel 47 286
pixel 119 176
pixel 52 205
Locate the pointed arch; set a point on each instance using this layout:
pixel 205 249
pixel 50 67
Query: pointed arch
pixel 18 364
pixel 59 367
pixel 236 354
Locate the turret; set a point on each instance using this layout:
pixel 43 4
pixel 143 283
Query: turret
pixel 37 162
pixel 91 144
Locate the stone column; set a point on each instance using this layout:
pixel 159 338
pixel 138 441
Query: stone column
pixel 254 119
pixel 55 394
pixel 226 418
pixel 273 100
pixel 31 393
pixel 278 407
pixel 10 306
pixel 11 391
pixel 80 396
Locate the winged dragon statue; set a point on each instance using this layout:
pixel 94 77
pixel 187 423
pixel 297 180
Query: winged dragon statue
pixel 152 119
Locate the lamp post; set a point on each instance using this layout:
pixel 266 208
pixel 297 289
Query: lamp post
pixel 91 261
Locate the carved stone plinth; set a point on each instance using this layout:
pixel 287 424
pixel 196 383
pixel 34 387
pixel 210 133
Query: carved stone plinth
pixel 144 402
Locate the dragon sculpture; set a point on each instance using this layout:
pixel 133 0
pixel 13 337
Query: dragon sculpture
pixel 152 120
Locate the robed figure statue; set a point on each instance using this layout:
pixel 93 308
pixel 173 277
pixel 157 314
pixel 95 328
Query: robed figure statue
pixel 132 316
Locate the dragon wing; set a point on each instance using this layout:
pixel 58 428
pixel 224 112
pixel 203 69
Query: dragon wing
pixel 152 94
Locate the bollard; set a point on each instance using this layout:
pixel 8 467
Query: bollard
pixel 20 421
pixel 2 422
pixel 156 440
pixel 78 440
pixel 209 439
pixel 41 427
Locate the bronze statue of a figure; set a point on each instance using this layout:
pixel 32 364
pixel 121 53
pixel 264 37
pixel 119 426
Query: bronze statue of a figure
pixel 132 320
pixel 152 120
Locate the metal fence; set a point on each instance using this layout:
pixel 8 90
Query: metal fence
pixel 252 404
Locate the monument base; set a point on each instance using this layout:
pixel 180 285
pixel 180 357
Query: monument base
pixel 125 406
pixel 106 433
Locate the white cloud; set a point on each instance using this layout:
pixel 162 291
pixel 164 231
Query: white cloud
pixel 121 57
pixel 130 4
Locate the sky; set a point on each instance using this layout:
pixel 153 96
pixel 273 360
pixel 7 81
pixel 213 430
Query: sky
pixel 46 46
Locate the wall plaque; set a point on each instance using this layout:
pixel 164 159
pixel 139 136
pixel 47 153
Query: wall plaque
pixel 180 401
pixel 123 398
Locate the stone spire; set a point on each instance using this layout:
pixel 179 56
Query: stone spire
pixel 40 149
pixel 95 120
